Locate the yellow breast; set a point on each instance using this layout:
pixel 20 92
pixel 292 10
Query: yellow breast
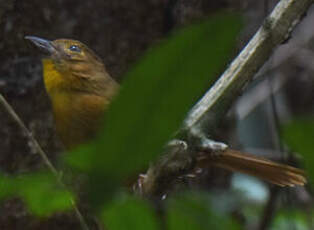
pixel 52 78
pixel 77 113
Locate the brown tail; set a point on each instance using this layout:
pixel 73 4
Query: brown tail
pixel 276 173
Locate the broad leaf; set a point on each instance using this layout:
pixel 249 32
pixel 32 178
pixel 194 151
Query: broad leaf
pixel 154 99
pixel 40 191
pixel 194 212
pixel 130 213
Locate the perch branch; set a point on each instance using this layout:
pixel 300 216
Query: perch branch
pixel 217 100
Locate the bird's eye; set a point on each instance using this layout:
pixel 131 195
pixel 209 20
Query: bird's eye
pixel 74 48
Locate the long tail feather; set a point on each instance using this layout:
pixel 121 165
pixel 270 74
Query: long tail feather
pixel 276 173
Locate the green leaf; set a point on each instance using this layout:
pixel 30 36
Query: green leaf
pixel 299 135
pixel 40 192
pixel 193 212
pixel 156 95
pixel 7 188
pixel 129 213
pixel 153 101
pixel 287 219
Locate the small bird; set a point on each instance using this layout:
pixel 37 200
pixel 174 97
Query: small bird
pixel 80 90
pixel 79 87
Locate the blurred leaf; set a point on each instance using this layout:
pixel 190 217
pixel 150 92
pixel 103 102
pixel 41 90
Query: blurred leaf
pixel 299 135
pixel 153 101
pixel 194 212
pixel 6 187
pixel 156 95
pixel 291 219
pixel 39 191
pixel 129 213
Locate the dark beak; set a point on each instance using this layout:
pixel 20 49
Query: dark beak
pixel 43 44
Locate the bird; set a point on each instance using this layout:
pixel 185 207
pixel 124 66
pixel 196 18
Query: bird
pixel 81 89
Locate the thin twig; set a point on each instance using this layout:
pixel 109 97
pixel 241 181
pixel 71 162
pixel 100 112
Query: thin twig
pixel 17 119
pixel 269 209
pixel 42 154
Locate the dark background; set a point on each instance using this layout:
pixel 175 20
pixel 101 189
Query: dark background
pixel 120 31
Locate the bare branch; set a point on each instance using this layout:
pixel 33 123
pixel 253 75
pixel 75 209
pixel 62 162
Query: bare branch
pixel 275 30
pixel 212 107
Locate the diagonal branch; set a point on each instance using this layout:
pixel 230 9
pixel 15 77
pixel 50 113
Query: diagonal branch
pixel 217 100
pixel 275 30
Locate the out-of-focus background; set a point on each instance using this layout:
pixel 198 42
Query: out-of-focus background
pixel 120 32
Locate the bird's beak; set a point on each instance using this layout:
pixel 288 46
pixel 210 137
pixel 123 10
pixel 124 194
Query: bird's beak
pixel 43 44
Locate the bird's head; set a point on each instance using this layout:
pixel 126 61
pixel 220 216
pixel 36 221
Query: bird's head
pixel 69 56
